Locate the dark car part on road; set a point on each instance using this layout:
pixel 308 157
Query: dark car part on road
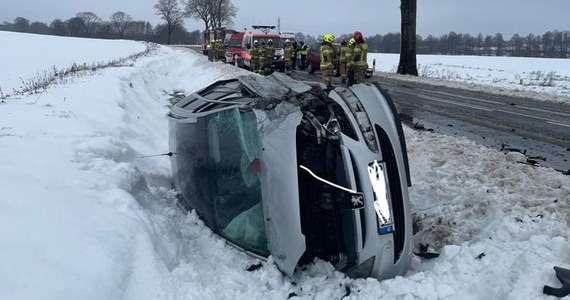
pixel 564 276
pixel 290 169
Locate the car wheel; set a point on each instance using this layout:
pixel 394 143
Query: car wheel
pixel 310 67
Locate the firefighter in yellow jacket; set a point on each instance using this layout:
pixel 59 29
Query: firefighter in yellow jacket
pixel 288 54
pixel 350 62
pixel 345 58
pixel 255 53
pixel 360 53
pixel 327 54
pixel 269 52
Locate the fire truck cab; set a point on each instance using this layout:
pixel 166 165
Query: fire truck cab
pixel 218 33
pixel 262 34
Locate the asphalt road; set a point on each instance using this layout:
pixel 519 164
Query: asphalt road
pixel 539 129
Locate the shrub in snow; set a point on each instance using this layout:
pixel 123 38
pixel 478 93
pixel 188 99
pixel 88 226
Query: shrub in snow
pixel 43 79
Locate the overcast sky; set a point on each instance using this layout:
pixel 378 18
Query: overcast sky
pixel 316 17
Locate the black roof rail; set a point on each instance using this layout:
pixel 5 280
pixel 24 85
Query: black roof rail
pixel 263 26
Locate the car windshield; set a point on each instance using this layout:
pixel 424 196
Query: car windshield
pixel 277 43
pixel 235 192
pixel 232 42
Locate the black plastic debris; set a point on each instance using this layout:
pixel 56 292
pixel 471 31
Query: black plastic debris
pixel 564 276
pixel 347 292
pixel 424 253
pixel 254 267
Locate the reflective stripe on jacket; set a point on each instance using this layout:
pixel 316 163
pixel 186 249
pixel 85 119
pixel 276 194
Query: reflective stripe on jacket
pixel 303 50
pixel 360 53
pixel 326 56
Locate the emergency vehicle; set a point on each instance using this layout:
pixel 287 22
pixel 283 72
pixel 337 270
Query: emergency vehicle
pixel 262 34
pixel 234 48
pixel 213 34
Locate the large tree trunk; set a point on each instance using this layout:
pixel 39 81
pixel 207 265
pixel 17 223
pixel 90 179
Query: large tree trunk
pixel 408 64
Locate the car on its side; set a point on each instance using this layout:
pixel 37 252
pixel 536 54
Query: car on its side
pixel 295 171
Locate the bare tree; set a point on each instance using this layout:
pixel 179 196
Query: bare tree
pixel 199 10
pixel 222 12
pixel 90 20
pixel 171 13
pixel 214 13
pixel 408 63
pixel 120 21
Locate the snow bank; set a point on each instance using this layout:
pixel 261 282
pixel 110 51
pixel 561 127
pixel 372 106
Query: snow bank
pixel 87 210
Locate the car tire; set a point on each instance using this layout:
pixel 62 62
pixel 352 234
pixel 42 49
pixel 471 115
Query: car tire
pixel 310 67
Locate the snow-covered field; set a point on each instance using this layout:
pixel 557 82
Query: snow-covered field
pixel 543 79
pixel 87 210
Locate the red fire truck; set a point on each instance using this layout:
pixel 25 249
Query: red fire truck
pixel 213 34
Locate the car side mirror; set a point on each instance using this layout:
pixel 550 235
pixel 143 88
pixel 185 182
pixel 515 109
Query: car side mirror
pixel 248 46
pixel 226 45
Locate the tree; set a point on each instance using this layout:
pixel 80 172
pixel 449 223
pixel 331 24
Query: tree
pixel 21 24
pixel 120 22
pixel 90 20
pixel 75 26
pixel 214 13
pixel 171 13
pixel 488 44
pixel 57 27
pixel 499 43
pixel 517 44
pixel 199 10
pixel 223 12
pixel 408 63
pixel 40 28
pixel 548 43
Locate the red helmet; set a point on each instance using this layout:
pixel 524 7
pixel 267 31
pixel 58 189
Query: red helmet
pixel 357 35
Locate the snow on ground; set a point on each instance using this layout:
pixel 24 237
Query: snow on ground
pixel 546 79
pixel 41 53
pixel 87 210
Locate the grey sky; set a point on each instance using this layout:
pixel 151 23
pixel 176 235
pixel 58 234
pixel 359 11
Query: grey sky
pixel 316 17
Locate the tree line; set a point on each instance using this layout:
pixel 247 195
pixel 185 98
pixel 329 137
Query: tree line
pixel 551 44
pixel 120 25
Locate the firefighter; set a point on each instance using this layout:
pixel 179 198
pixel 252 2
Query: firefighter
pixel 303 54
pixel 221 50
pixel 262 59
pixel 215 50
pixel 269 51
pixel 327 53
pixel 288 52
pixel 360 53
pixel 295 55
pixel 350 62
pixel 254 64
pixel 343 60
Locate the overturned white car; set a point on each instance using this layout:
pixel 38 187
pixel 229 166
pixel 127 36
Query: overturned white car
pixel 289 169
